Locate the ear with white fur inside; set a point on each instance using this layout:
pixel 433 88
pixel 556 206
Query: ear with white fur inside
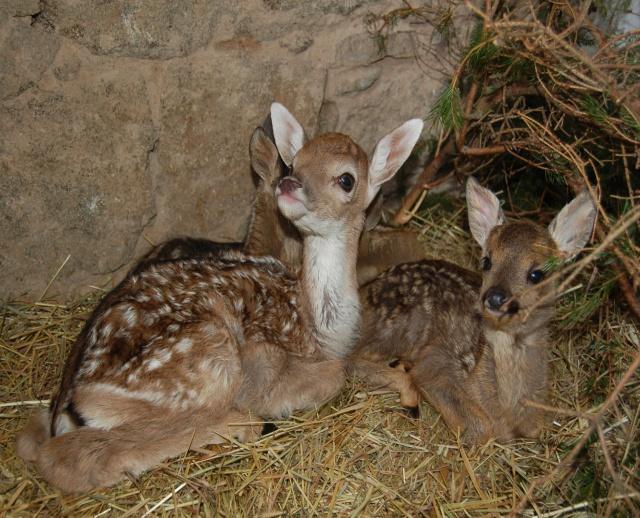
pixel 390 153
pixel 483 209
pixel 572 227
pixel 287 131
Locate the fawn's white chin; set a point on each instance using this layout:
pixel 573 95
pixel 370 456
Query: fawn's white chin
pixel 493 313
pixel 291 207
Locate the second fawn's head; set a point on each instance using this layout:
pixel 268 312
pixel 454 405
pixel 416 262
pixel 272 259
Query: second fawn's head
pixel 516 255
pixel 332 182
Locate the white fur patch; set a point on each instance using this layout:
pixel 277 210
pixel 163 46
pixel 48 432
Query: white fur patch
pixel 184 345
pixel 106 330
pixel 64 424
pixel 508 360
pixel 131 316
pixel 332 294
pixel 153 364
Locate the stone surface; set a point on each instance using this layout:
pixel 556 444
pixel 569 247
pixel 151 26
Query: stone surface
pixel 23 7
pixel 145 29
pixel 62 193
pixel 27 48
pixel 127 122
pixel 204 180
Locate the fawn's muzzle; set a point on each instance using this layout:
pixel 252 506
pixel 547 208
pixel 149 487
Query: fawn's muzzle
pixel 288 185
pixel 495 298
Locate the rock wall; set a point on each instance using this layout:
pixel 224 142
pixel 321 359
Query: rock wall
pixel 126 122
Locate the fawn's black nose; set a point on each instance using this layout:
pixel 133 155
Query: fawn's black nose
pixel 289 184
pixel 494 298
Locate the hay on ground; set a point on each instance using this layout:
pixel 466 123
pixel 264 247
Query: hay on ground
pixel 359 454
pixel 534 115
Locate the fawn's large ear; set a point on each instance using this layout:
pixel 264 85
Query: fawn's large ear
pixel 373 215
pixel 483 209
pixel 264 156
pixel 390 153
pixel 287 131
pixel 572 227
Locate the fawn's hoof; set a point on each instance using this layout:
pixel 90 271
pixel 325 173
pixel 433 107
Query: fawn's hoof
pixel 267 428
pixel 402 365
pixel 413 411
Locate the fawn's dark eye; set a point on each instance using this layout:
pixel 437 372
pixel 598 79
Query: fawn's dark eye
pixel 535 276
pixel 485 264
pixel 346 182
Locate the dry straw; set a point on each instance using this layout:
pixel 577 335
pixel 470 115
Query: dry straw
pixel 543 93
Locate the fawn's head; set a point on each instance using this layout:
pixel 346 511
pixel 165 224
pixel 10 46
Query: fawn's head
pixel 332 182
pixel 515 256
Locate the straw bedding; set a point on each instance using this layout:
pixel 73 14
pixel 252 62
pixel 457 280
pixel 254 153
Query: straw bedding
pixel 359 454
pixel 534 115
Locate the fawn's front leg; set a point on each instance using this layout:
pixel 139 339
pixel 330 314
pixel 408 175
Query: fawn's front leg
pixel 276 383
pixel 450 391
pixel 460 413
pixel 529 420
pixel 379 374
pixel 305 384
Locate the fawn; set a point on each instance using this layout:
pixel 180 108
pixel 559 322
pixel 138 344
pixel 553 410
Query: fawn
pixel 181 350
pixel 270 233
pixel 475 347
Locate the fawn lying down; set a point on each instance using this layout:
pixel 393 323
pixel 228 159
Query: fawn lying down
pixel 181 350
pixel 269 232
pixel 475 347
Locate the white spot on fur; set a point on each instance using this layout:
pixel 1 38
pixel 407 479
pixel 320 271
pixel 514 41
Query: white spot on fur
pixel 184 345
pixel 64 424
pixel 149 319
pixel 89 368
pixel 164 355
pixel 131 316
pixel 172 328
pixel 153 364
pixel 106 330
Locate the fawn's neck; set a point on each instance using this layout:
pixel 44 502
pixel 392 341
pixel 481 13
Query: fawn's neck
pixel 270 233
pixel 263 236
pixel 330 290
pixel 520 362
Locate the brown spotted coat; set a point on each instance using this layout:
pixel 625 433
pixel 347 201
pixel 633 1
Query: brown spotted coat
pixel 479 365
